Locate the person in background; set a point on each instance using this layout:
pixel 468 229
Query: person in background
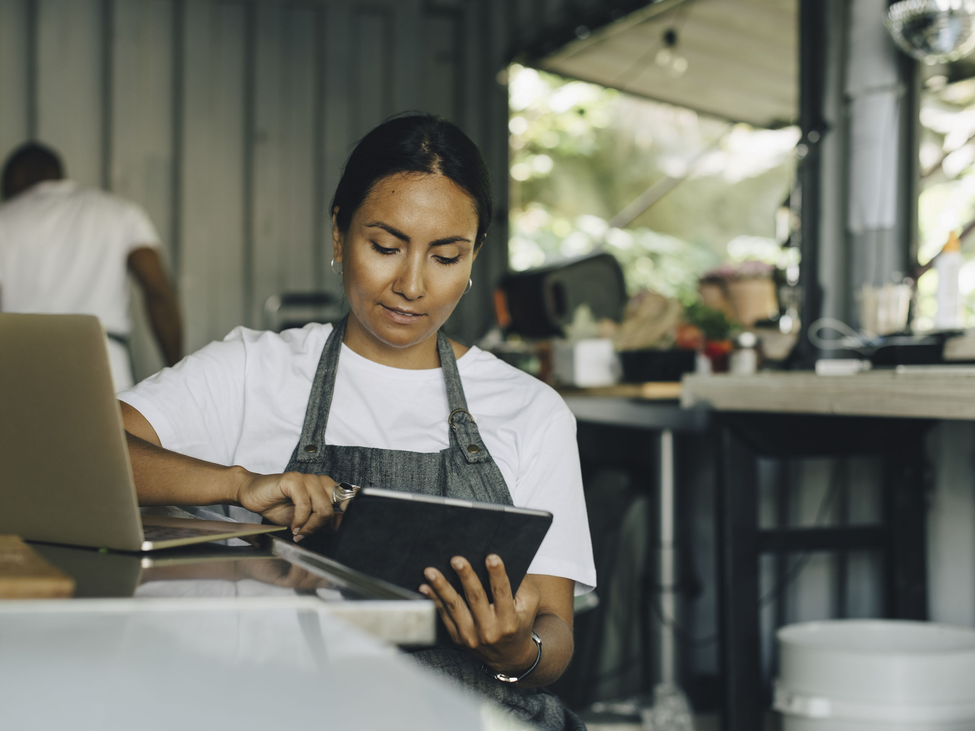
pixel 69 249
pixel 269 423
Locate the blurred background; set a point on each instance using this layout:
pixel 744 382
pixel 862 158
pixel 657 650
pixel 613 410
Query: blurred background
pixel 784 142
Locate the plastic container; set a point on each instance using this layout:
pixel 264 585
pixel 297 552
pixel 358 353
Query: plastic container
pixel 586 363
pixel 948 265
pixel 873 675
pixel 640 366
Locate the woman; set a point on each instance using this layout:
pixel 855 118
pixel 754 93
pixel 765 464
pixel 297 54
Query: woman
pixel 272 422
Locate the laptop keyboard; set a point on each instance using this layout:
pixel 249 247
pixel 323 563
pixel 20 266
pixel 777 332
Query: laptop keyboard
pixel 156 533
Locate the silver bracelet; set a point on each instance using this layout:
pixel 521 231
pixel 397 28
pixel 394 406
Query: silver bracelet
pixel 538 658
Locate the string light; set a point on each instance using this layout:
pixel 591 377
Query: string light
pixel 668 58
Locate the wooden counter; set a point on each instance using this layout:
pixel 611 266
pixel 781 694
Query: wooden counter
pixel 936 392
pixel 653 391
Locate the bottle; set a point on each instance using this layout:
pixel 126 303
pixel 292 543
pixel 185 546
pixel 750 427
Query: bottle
pixel 744 359
pixel 948 265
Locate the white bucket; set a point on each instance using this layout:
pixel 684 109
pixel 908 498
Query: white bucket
pixel 868 675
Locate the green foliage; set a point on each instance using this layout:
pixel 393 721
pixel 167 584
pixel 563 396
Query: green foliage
pixel 582 153
pixel 713 323
pixel 650 260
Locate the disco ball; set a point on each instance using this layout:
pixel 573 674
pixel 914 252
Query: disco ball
pixel 933 31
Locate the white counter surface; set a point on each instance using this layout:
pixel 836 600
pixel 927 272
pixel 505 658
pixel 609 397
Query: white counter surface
pixel 212 664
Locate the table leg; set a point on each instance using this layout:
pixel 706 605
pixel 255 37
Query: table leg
pixel 666 596
pixel 906 475
pixel 738 583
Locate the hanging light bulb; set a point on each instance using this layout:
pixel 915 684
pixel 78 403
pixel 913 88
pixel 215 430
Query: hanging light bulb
pixel 668 58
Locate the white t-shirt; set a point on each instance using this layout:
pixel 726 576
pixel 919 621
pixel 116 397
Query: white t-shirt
pixel 65 249
pixel 242 401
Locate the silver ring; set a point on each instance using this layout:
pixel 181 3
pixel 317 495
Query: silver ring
pixel 341 495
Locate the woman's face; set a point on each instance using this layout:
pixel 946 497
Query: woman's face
pixel 406 260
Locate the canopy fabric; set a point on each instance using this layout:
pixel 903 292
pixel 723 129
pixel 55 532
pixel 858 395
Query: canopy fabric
pixel 742 57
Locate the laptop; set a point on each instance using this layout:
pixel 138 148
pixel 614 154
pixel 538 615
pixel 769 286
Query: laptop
pixel 65 475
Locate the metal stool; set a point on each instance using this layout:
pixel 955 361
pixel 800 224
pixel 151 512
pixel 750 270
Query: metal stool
pixel 296 309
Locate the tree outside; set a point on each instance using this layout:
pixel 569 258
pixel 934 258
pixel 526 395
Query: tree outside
pixel 581 153
pixel 947 199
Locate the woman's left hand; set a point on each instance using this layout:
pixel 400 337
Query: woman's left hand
pixel 497 633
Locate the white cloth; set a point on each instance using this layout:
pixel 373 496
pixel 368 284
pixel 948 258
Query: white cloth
pixel 65 249
pixel 242 401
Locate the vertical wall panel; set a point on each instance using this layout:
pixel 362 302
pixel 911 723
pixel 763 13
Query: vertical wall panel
pixel 494 258
pixel 269 220
pixel 476 75
pixel 13 74
pixel 299 194
pixel 524 23
pixel 141 140
pixel 951 524
pixel 443 32
pixel 236 161
pixel 445 77
pixel 409 40
pixel 372 66
pixel 284 198
pixel 212 230
pixel 481 111
pixel 142 99
pixel 70 69
pixel 337 111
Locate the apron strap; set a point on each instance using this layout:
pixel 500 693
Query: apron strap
pixel 464 435
pixel 312 441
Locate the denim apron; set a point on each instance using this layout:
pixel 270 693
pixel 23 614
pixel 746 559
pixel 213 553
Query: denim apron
pixel 464 469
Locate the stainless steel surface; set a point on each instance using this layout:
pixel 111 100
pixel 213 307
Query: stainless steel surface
pixel 667 596
pixel 211 572
pixel 166 664
pixel 163 531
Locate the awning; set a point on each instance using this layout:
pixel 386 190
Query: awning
pixel 742 57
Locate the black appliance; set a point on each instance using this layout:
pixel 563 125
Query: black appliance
pixel 539 303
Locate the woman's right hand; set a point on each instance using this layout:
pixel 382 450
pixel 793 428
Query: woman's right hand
pixel 302 502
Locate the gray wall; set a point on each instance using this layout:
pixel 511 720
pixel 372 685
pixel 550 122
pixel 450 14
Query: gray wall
pixel 230 122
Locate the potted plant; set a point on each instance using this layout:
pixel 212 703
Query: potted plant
pixel 745 291
pixel 715 330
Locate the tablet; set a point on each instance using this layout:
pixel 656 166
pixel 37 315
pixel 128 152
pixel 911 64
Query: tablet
pixel 394 536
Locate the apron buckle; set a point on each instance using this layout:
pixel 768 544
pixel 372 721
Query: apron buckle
pixel 450 419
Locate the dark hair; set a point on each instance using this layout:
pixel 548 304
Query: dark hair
pixel 414 143
pixel 28 165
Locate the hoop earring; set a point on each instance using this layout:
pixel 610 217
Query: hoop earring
pixel 470 283
pixel 339 272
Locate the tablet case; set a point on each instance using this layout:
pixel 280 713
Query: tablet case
pixel 394 536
